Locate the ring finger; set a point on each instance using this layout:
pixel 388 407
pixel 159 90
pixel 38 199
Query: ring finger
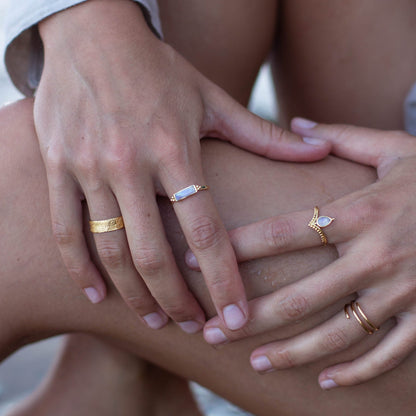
pixel 114 253
pixel 334 335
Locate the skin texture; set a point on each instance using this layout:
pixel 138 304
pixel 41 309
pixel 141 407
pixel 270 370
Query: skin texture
pixel 128 113
pixel 354 395
pixel 40 283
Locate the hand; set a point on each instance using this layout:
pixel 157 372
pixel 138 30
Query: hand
pixel 374 232
pixel 119 116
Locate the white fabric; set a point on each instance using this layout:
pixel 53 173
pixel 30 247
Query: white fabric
pixel 24 52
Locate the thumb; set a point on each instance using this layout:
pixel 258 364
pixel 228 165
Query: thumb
pixel 234 123
pixel 363 145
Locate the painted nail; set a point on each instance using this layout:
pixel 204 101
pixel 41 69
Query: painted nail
pixel 93 295
pixel 190 327
pixel 261 363
pixel 191 260
pixel 328 384
pixel 303 123
pixel 314 141
pixel 234 317
pixel 214 336
pixel 155 320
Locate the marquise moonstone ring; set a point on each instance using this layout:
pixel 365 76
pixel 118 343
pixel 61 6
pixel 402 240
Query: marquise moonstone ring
pixel 318 222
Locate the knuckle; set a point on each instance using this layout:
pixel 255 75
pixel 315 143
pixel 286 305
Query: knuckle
pixel 112 255
pixel 77 272
pixel 120 161
pixel 149 261
pixel 139 303
pixel 87 164
pixel 177 310
pixel 335 340
pixel 278 233
pixel 283 358
pixel 390 362
pixel 205 233
pixel 64 235
pixel 294 307
pixel 55 160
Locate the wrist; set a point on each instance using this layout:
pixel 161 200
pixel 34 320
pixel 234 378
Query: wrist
pixel 92 21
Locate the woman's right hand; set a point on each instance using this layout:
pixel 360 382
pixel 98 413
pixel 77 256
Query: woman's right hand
pixel 119 116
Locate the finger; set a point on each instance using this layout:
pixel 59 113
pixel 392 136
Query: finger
pixel 153 257
pixel 67 225
pixel 208 239
pixel 234 123
pixel 363 145
pixel 289 232
pixel 114 253
pixel 388 354
pixel 294 302
pixel 335 335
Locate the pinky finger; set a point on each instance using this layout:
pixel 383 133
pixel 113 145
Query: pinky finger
pixel 386 356
pixel 67 225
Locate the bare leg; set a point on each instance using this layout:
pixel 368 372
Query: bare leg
pixel 244 23
pixel 38 299
pixel 346 61
pixel 93 377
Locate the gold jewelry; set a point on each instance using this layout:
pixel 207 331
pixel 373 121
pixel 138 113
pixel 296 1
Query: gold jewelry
pixel 317 223
pixel 187 192
pixel 360 316
pixel 104 226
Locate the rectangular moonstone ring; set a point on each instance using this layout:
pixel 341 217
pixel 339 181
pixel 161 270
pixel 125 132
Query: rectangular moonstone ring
pixel 186 192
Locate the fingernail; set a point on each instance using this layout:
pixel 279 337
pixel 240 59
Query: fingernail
pixel 328 384
pixel 190 327
pixel 155 320
pixel 261 363
pixel 93 295
pixel 314 141
pixel 234 317
pixel 214 336
pixel 191 260
pixel 303 123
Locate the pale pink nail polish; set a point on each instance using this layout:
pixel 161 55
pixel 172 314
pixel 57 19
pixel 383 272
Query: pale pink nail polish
pixel 328 384
pixel 314 141
pixel 155 320
pixel 93 294
pixel 261 363
pixel 191 260
pixel 190 327
pixel 234 317
pixel 214 336
pixel 303 123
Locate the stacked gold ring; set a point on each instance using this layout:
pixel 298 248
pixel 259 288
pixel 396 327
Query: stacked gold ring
pixel 360 316
pixel 105 226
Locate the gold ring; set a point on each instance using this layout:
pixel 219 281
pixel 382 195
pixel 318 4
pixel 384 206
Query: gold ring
pixel 104 226
pixel 360 316
pixel 187 192
pixel 318 222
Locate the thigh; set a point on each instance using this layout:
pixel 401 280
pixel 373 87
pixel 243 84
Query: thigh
pixel 348 61
pixel 226 40
pixel 38 299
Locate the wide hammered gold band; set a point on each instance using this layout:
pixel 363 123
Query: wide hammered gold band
pixel 105 226
pixel 187 192
pixel 318 222
pixel 360 316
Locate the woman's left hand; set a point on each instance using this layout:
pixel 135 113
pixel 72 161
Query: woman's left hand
pixel 374 233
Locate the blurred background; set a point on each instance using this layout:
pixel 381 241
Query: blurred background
pixel 22 372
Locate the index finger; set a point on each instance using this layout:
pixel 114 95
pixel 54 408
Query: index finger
pixel 208 239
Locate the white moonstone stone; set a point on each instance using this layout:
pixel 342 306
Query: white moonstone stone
pixel 324 221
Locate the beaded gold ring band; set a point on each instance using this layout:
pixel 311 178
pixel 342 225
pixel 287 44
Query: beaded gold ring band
pixel 318 222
